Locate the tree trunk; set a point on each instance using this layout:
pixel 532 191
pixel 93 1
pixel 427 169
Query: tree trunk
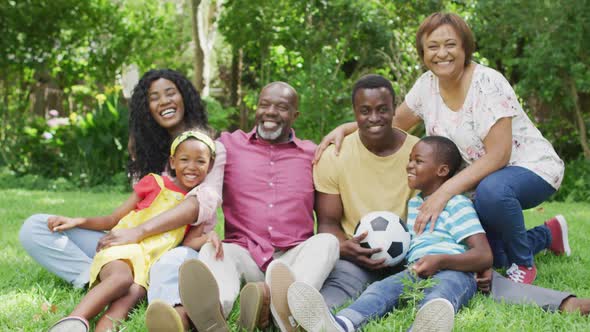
pixel 241 106
pixel 580 120
pixel 235 99
pixel 198 63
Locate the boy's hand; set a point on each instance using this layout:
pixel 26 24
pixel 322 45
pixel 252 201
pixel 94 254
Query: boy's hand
pixel 351 250
pixel 427 265
pixel 61 223
pixel 484 280
pixel 213 238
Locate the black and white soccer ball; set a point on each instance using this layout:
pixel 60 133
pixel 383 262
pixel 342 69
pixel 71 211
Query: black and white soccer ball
pixel 385 230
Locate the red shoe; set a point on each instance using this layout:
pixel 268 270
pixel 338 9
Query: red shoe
pixel 522 274
pixel 559 240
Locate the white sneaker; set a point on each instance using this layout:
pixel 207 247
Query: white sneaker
pixel 437 315
pixel 309 309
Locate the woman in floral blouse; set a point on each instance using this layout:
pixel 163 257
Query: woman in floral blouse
pixel 508 162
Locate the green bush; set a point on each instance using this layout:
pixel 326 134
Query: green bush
pixel 87 150
pixel 576 182
pixel 219 117
pixel 10 180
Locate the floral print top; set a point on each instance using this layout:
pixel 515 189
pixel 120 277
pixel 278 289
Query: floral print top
pixel 490 98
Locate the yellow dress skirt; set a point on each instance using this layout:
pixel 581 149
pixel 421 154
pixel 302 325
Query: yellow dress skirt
pixel 140 256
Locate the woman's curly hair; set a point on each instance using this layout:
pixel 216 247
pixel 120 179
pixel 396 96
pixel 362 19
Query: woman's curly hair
pixel 149 143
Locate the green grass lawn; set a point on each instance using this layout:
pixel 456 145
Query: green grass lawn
pixel 31 299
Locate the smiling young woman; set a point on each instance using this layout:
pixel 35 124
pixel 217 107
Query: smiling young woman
pixel 163 103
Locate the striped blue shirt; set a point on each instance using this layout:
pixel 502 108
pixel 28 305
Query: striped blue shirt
pixel 456 222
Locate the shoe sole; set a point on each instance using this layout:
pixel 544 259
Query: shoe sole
pixel 199 295
pixel 160 316
pixel 309 309
pixel 435 315
pixel 280 280
pixel 69 324
pixel 251 306
pixel 564 234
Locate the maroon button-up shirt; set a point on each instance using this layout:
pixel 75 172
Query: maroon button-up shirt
pixel 268 193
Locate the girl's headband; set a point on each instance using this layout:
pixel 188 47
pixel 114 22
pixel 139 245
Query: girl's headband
pixel 194 134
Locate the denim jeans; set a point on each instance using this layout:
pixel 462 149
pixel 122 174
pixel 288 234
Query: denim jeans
pixel 382 297
pixel 499 200
pixel 67 254
pixel 348 280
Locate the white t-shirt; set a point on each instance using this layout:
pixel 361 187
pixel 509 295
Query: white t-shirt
pixel 490 98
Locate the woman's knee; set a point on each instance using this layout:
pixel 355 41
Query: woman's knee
pixel 175 257
pixel 494 198
pixel 491 190
pixel 31 228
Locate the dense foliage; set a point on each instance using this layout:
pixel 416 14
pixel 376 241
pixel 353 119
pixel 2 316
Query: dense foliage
pixel 87 149
pixel 82 50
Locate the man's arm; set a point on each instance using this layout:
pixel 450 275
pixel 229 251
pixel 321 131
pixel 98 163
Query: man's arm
pixel 329 211
pixel 477 258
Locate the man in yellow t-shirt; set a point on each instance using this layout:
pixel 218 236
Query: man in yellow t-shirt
pixel 369 174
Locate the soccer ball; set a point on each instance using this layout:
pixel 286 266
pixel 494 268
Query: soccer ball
pixel 385 230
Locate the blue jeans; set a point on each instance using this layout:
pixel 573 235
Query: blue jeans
pixel 164 275
pixel 348 280
pixel 382 297
pixel 499 200
pixel 67 254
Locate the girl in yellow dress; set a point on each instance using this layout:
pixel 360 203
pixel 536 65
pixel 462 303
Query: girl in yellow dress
pixel 119 274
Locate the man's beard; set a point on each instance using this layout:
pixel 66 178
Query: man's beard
pixel 268 135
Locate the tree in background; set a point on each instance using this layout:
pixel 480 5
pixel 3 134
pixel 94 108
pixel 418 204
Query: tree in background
pixel 320 47
pixel 543 49
pixel 64 54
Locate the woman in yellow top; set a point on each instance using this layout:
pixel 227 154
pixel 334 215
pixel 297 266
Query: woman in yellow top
pixel 119 274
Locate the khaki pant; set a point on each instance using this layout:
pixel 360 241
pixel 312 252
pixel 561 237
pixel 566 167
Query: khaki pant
pixel 310 262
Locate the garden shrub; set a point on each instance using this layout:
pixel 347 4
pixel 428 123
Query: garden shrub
pixel 87 150
pixel 219 117
pixel 576 182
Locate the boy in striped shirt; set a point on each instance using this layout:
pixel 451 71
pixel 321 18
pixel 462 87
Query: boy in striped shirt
pixel 450 254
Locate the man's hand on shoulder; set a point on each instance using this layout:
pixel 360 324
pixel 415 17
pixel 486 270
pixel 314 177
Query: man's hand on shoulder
pixel 351 250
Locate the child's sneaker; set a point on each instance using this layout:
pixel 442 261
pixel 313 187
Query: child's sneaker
pixel 559 239
pixel 522 274
pixel 436 315
pixel 309 309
